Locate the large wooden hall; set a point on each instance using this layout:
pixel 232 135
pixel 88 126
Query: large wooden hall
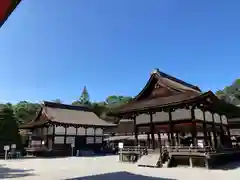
pixel 168 105
pixel 57 127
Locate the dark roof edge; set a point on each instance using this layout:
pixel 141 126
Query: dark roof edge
pixel 66 106
pixel 203 95
pixel 177 80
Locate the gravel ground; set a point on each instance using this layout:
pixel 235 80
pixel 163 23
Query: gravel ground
pixel 105 168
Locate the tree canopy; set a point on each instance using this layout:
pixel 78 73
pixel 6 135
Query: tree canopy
pixel 9 133
pixel 231 94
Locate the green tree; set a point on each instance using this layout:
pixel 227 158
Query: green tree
pixel 231 94
pixel 9 133
pixel 57 101
pixel 84 98
pixel 117 100
pixel 25 111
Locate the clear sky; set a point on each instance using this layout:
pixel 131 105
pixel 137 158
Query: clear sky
pixel 50 49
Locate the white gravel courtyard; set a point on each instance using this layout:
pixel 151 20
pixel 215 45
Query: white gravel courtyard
pixel 104 168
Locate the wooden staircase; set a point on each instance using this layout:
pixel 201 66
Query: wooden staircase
pixel 152 159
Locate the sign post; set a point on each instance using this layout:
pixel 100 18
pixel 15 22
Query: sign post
pixel 120 147
pixel 6 149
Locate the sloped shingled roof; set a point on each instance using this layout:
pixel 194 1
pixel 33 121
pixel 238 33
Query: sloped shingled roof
pixel 6 8
pixel 67 114
pixel 183 92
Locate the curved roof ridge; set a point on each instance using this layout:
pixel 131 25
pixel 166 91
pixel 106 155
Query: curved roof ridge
pixel 165 75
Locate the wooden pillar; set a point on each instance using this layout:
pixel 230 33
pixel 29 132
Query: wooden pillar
pixel 214 132
pixel 228 129
pixel 53 135
pixel 194 129
pixel 76 131
pixel 222 131
pixel 94 135
pixel 210 139
pixel 205 129
pixel 65 135
pixel 172 143
pixel 160 147
pixel 148 140
pixel 46 143
pixel 135 130
pixel 177 139
pixel 160 142
pixel 42 136
pixel 169 139
pixel 152 131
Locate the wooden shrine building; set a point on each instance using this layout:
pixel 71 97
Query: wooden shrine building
pixel 169 105
pixel 57 127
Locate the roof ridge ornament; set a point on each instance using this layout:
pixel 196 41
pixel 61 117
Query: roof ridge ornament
pixel 154 71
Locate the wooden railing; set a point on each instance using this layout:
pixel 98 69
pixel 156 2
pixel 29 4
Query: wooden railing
pixel 205 149
pixel 141 150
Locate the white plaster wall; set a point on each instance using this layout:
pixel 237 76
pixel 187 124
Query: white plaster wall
pixel 198 114
pixel 142 118
pixel 90 131
pixel 50 130
pixel 59 140
pixel 217 118
pixel 200 134
pixel 98 140
pixel 90 140
pixel 160 117
pixel 224 119
pixel 71 131
pixel 208 116
pixel 181 114
pixel 59 130
pixel 35 142
pixel 70 140
pixel 45 130
pixel 99 132
pixel 81 131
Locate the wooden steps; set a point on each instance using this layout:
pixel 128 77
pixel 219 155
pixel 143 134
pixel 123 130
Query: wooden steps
pixel 150 160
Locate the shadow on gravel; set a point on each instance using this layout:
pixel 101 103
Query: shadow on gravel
pixel 7 173
pixel 118 176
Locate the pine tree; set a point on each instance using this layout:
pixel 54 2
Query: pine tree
pixel 9 133
pixel 84 98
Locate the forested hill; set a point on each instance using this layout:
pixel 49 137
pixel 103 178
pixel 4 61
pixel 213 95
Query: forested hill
pixel 25 111
pixel 231 93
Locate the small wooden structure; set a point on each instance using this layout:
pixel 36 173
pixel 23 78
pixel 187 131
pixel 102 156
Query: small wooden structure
pixel 169 105
pixel 59 127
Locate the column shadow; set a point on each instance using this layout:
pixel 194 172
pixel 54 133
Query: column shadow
pixel 7 173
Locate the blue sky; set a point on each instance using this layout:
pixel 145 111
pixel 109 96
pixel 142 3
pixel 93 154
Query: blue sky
pixel 52 48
